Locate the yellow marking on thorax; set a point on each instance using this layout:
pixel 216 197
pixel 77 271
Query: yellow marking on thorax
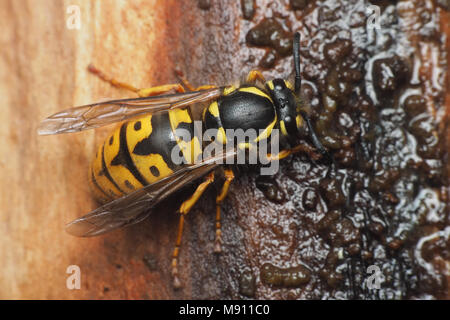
pixel 229 90
pixel 245 145
pixel 204 113
pixel 221 136
pixel 267 132
pixel 255 90
pixel 283 128
pixel 214 109
pixel 299 121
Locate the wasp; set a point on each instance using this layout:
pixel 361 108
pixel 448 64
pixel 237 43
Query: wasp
pixel 133 169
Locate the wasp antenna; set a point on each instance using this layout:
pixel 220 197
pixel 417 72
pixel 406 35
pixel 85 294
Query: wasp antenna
pixel 296 47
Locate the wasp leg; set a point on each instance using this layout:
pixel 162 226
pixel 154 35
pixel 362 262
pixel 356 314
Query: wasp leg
pixel 229 176
pixel 189 86
pixel 184 209
pixel 154 91
pixel 146 92
pixel 254 75
pixel 303 147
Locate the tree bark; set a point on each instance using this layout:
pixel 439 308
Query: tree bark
pixel 43 69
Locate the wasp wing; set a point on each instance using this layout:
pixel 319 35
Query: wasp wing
pixel 103 113
pixel 136 206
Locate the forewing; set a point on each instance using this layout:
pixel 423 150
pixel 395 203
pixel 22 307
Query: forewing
pixel 136 206
pixel 103 113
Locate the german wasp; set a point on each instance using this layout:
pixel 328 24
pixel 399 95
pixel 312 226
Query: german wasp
pixel 133 169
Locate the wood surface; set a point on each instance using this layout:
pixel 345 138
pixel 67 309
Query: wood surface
pixel 43 180
pixel 43 69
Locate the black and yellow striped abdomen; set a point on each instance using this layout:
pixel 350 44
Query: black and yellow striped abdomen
pixel 139 153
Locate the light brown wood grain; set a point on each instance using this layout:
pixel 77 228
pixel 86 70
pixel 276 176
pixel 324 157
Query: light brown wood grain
pixel 44 179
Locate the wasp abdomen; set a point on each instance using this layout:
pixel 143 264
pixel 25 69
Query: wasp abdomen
pixel 140 152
